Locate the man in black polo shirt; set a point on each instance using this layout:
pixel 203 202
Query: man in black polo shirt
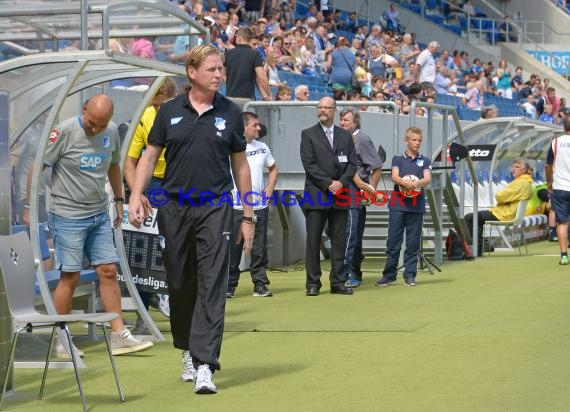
pixel 202 132
pixel 244 69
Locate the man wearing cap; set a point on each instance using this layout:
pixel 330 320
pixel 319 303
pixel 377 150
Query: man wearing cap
pixel 244 69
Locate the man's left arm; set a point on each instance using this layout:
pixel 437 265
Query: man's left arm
pixel 116 182
pixel 242 177
pixel 263 83
pixel 549 168
pixel 271 181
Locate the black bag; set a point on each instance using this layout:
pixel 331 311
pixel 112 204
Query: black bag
pixel 354 82
pixel 456 248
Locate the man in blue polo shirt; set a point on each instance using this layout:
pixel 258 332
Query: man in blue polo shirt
pixel 410 173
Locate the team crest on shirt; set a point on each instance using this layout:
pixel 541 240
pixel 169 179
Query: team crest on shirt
pixel 54 134
pixel 106 141
pixel 220 123
pixel 420 162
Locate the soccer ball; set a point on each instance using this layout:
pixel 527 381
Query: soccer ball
pixel 409 193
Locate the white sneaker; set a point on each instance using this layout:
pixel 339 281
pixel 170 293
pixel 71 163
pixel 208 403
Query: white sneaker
pixel 164 305
pixel 188 370
pixel 203 383
pixel 61 353
pixel 123 342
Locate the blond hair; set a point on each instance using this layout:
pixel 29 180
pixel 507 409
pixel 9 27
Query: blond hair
pixel 413 130
pixel 198 54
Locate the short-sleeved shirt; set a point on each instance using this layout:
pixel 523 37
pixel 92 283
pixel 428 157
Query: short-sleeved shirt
pixel 559 158
pixel 427 63
pixel 367 158
pixel 407 165
pixel 259 158
pixel 240 63
pixel 139 142
pixel 79 168
pixel 198 147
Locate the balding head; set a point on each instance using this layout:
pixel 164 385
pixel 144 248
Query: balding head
pixel 97 114
pixel 326 111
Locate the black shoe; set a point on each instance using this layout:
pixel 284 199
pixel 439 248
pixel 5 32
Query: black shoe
pixel 312 292
pixel 231 293
pixel 154 302
pixel 261 290
pixel 140 328
pixel 341 290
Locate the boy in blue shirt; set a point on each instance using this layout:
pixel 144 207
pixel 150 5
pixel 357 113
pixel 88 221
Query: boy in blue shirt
pixel 410 173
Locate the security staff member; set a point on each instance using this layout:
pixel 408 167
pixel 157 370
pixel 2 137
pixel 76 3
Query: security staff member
pixel 329 160
pixel 202 132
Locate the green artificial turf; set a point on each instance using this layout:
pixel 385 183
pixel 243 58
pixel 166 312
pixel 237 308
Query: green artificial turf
pixel 486 335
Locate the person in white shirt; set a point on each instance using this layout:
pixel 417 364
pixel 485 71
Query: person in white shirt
pixel 558 179
pixel 424 71
pixel 259 158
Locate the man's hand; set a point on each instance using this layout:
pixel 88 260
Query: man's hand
pixel 137 211
pixel 380 197
pixel 335 186
pixel 268 194
pixel 146 205
pixel 26 216
pixel 246 232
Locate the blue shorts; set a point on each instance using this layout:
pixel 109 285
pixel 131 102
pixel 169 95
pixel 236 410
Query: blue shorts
pixel 560 203
pixel 72 237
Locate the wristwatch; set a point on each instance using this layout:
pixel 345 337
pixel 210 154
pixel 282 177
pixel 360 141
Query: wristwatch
pixel 250 219
pixel 119 199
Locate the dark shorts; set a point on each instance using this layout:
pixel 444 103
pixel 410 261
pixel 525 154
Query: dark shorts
pixel 560 203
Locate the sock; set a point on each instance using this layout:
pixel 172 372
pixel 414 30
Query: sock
pixel 562 254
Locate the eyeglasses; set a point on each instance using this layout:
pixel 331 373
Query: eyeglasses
pixel 287 44
pixel 306 93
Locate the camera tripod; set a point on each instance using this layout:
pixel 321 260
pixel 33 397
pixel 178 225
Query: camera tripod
pixel 423 261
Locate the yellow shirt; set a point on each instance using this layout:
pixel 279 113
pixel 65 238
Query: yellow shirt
pixel 508 198
pixel 139 142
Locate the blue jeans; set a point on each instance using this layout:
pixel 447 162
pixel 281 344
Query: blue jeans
pixel 354 232
pixel 398 221
pixel 72 237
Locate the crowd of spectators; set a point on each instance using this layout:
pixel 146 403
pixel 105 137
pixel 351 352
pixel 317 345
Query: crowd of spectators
pixel 355 60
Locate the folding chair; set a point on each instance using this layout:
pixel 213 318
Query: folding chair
pixel 515 224
pixel 18 272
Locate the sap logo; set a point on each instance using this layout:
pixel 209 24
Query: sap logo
pixel 479 153
pixel 91 161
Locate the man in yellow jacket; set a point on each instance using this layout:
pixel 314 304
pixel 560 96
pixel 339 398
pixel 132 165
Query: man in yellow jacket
pixel 507 200
pixel 138 144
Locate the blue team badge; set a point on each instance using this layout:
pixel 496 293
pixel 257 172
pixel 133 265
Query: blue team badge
pixel 220 123
pixel 175 120
pixel 420 162
pixel 106 141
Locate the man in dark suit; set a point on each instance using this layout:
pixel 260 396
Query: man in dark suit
pixel 329 160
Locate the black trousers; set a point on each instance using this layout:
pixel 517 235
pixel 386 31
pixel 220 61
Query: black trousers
pixel 315 223
pixel 259 260
pixel 196 259
pixel 482 217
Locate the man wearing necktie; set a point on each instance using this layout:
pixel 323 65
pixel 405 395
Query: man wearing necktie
pixel 329 160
